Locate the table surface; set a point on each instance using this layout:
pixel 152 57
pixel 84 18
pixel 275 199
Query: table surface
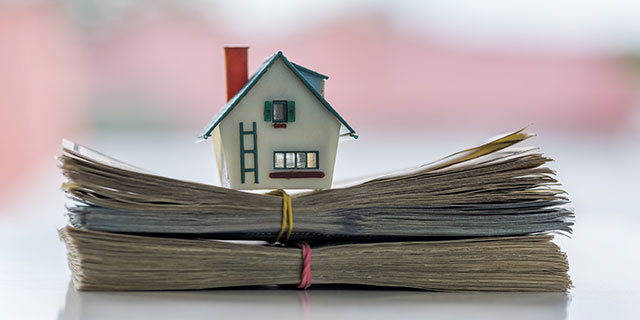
pixel 600 173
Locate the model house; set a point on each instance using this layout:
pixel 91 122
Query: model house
pixel 276 131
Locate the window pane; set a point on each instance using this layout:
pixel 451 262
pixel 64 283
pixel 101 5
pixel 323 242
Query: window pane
pixel 291 160
pixel 279 160
pixel 301 160
pixel 312 162
pixel 279 111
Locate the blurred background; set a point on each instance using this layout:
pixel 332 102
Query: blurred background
pixel 139 79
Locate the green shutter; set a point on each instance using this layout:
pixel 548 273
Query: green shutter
pixel 291 111
pixel 267 111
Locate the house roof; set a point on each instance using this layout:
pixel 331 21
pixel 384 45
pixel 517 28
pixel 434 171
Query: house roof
pixel 301 68
pixel 224 111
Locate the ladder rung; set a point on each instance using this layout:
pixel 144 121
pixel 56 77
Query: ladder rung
pixel 249 151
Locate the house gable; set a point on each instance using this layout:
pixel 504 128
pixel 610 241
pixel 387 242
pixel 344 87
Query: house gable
pixel 315 130
pixel 206 133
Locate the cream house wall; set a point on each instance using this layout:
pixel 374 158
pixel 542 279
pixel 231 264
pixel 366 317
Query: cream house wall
pixel 314 129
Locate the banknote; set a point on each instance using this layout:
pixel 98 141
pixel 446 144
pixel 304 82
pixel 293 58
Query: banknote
pixel 102 261
pixel 495 189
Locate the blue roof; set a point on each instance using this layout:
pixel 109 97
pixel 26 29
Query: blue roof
pixel 317 74
pixel 254 79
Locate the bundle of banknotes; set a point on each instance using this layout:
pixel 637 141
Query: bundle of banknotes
pixel 479 220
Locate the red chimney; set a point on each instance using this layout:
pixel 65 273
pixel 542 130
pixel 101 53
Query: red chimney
pixel 237 69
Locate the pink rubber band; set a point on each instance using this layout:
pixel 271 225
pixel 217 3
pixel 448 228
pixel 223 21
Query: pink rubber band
pixel 305 276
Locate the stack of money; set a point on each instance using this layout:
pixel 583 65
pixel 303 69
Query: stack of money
pixel 477 220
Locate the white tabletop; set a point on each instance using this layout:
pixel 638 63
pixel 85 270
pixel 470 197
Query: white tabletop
pixel 600 173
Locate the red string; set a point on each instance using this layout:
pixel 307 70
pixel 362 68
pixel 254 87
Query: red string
pixel 305 276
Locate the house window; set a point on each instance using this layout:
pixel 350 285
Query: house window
pixel 279 111
pixel 301 160
pixel 290 160
pixel 295 160
pixel 278 160
pixel 312 160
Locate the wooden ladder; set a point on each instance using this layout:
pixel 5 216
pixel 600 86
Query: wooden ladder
pixel 253 151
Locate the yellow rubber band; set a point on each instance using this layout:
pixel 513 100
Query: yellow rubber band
pixel 287 216
pixel 290 210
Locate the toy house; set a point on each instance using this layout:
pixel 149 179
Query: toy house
pixel 277 131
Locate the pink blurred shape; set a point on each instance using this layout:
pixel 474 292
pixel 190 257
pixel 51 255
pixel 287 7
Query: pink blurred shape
pixel 378 75
pixel 392 77
pixel 39 88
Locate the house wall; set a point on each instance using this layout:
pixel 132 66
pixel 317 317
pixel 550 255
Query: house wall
pixel 314 129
